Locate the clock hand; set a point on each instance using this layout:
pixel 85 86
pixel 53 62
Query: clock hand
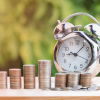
pixel 75 54
pixel 82 57
pixel 68 54
pixel 82 47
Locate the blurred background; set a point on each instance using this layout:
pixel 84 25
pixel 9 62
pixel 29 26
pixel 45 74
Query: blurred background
pixel 26 28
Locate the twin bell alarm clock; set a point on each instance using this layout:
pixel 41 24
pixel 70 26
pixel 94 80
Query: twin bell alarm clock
pixel 76 51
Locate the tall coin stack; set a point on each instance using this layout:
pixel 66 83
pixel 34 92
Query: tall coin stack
pixel 3 79
pixel 73 79
pixel 29 76
pixel 15 78
pixel 85 79
pixel 60 80
pixel 44 73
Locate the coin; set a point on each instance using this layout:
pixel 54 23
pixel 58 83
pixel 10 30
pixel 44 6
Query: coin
pixel 28 67
pixel 69 88
pixel 77 87
pixel 85 79
pixel 14 72
pixel 56 89
pixel 29 76
pixel 60 80
pixel 73 79
pixel 44 73
pixel 42 87
pixel 3 79
pixel 46 89
pixel 15 78
pixel 92 88
pixel 15 87
pixel 98 88
pixel 84 89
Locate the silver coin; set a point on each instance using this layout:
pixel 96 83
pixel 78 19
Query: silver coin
pixel 93 85
pixel 68 88
pixel 92 88
pixel 46 89
pixel 78 90
pixel 77 87
pixel 57 89
pixel 98 88
pixel 84 89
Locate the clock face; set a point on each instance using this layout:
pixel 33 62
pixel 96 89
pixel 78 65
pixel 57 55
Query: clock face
pixel 74 54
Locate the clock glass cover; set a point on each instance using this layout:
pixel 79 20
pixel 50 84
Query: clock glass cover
pixel 74 54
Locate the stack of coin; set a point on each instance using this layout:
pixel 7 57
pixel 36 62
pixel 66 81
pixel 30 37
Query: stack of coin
pixel 85 79
pixel 3 79
pixel 29 76
pixel 15 78
pixel 73 79
pixel 60 80
pixel 44 73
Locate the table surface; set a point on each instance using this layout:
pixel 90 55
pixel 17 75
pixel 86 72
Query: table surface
pixel 33 94
pixel 39 92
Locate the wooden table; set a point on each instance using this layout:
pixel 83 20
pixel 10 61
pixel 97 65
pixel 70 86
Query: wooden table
pixel 38 94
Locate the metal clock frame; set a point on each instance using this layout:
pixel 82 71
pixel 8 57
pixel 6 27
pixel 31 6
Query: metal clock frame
pixel 93 45
pixel 93 67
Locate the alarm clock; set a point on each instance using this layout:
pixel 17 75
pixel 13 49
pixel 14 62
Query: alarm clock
pixel 76 51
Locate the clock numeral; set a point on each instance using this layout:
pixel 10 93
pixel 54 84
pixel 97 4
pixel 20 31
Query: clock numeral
pixel 66 48
pixel 87 48
pixel 63 54
pixel 77 42
pixel 69 65
pixel 81 65
pixel 89 55
pixel 71 43
pixel 75 67
pixel 86 61
pixel 65 60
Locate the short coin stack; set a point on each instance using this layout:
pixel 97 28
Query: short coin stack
pixel 44 73
pixel 29 76
pixel 85 79
pixel 15 78
pixel 60 80
pixel 3 79
pixel 73 79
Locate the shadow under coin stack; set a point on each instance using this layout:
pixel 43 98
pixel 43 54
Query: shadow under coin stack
pixel 15 78
pixel 60 80
pixel 29 76
pixel 3 79
pixel 85 79
pixel 73 79
pixel 44 73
